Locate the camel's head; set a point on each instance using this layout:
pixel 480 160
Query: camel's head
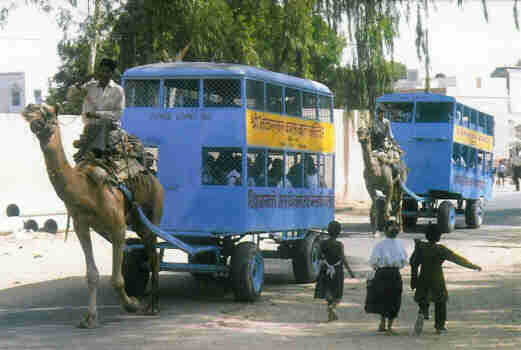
pixel 42 119
pixel 363 134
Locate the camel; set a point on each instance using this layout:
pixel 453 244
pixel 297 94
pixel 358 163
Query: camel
pixel 378 175
pixel 94 203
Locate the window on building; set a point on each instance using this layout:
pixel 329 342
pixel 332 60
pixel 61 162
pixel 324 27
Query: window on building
pixel 16 96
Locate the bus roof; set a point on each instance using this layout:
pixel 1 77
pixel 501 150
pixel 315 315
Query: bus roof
pixel 210 69
pixel 415 96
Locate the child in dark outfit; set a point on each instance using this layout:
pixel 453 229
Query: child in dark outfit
pixel 330 281
pixel 430 284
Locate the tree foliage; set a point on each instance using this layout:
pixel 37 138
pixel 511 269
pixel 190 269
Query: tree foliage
pixel 299 37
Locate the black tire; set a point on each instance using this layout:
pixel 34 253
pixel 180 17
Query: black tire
pixel 410 204
pixel 247 272
pixel 135 269
pixel 473 213
pixel 446 217
pixel 306 259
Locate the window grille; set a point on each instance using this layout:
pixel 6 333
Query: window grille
pixel 255 95
pixel 142 93
pixel 221 166
pixel 309 104
pixel 294 169
pixel 293 102
pixel 325 109
pixel 182 93
pixel 274 96
pixel 256 167
pixel 222 93
pixel 276 169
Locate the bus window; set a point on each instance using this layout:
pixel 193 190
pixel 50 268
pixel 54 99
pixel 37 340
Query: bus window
pixel 480 163
pixel 294 169
pixel 481 122
pixel 255 95
pixel 473 119
pixel 274 97
pixel 400 112
pixel 490 162
pixel 222 92
pixel 309 105
pixel 310 171
pixel 292 98
pixel 327 169
pixel 489 128
pixel 457 155
pixel 181 93
pixel 324 112
pixel 433 112
pixel 142 93
pixel 276 169
pixel 469 154
pixel 256 167
pixel 221 166
pixel 466 114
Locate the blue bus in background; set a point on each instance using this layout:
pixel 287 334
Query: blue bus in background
pixel 449 152
pixel 244 154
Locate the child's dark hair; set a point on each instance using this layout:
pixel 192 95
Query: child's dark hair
pixel 432 233
pixel 391 229
pixel 333 229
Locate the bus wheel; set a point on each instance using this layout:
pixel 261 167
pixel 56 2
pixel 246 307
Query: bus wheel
pixel 306 260
pixel 473 213
pixel 446 217
pixel 410 205
pixel 135 269
pixel 247 270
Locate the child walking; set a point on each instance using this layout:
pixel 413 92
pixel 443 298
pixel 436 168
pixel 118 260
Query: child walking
pixel 430 284
pixel 330 280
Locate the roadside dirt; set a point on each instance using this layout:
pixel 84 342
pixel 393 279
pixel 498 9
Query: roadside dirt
pixel 43 295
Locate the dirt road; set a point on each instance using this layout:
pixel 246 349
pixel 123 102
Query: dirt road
pixel 43 295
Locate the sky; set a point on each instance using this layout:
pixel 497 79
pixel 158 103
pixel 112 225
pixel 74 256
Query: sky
pixel 461 42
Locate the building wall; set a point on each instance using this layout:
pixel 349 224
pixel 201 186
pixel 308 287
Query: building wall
pixel 349 165
pixel 11 84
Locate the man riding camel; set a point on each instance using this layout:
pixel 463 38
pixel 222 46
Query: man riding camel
pixel 384 145
pixel 103 104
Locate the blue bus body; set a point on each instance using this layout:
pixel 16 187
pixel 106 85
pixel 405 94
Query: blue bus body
pixel 240 151
pixel 180 133
pixel 429 148
pixel 448 146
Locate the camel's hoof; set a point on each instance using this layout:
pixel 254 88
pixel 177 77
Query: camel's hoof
pixel 89 322
pixel 132 306
pixel 150 309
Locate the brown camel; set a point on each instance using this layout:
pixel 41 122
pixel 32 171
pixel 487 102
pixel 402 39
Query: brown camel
pixel 94 203
pixel 378 175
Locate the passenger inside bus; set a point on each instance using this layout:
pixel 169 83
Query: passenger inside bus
pixel 276 173
pixel 295 173
pixel 256 166
pixel 311 172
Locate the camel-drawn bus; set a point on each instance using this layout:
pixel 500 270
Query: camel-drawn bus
pixel 244 154
pixel 449 152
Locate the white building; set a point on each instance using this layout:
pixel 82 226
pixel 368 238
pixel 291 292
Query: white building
pixel 12 92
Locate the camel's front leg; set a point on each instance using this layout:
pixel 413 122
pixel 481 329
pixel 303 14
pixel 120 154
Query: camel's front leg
pixel 83 232
pixel 152 306
pixel 130 304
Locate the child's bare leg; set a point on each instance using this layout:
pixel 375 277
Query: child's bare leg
pixel 381 327
pixel 331 309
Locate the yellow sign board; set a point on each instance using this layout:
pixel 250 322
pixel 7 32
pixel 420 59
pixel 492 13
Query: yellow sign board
pixel 473 138
pixel 272 130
